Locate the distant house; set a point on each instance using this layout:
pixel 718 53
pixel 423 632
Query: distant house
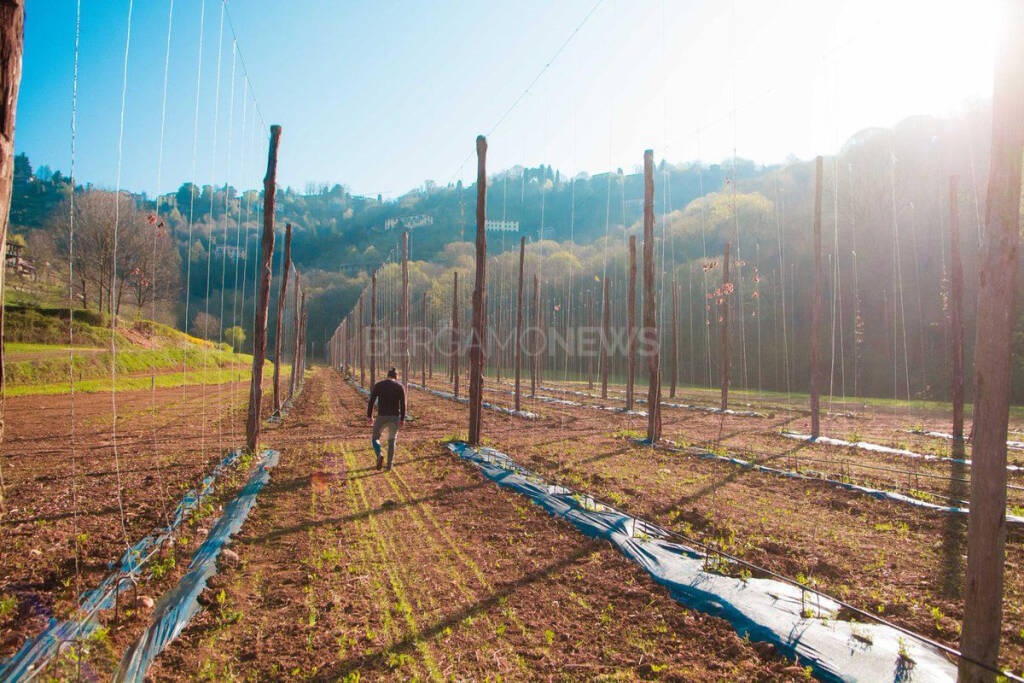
pixel 502 226
pixel 17 262
pixel 408 222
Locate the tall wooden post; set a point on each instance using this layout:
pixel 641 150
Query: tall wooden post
pixel 816 307
pixel 605 336
pixel 361 331
pixel 675 344
pixel 373 330
pixel 428 340
pixel 454 354
pixel 302 342
pixel 545 349
pixel 724 329
pixel 519 319
pixel 259 333
pixel 432 344
pixel 476 349
pixel 405 314
pixel 296 320
pixel 535 352
pixel 631 325
pixel 650 330
pixel 589 306
pixel 344 345
pixel 280 312
pixel 956 320
pixel 12 34
pixel 986 524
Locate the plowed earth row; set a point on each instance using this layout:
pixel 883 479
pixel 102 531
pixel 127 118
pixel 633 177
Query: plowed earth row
pixel 432 572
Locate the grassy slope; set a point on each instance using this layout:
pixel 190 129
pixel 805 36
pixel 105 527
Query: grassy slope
pixel 146 353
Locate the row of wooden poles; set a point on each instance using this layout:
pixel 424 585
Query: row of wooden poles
pixel 347 345
pixel 299 322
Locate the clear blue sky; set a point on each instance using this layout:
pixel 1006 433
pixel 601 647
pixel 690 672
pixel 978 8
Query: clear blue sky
pixel 381 96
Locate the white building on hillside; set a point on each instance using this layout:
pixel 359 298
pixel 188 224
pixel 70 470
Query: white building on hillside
pixel 408 222
pixel 502 226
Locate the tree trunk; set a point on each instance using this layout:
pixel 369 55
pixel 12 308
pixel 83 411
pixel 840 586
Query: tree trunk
pixel 476 349
pixel 650 332
pixel 280 313
pixel 519 320
pixel 724 328
pixel 259 334
pixel 631 325
pixel 986 525
pixel 816 307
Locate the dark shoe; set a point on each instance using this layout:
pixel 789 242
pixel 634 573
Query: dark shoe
pixel 380 464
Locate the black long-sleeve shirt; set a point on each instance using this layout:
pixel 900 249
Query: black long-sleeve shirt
pixel 390 397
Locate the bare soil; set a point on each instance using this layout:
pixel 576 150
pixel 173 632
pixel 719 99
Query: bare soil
pixel 430 571
pixel 901 562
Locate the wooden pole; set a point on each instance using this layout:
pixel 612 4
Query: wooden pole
pixel 589 306
pixel 361 330
pixel 956 320
pixel 519 319
pixel 280 313
pixel 675 343
pixel 534 363
pixel 423 350
pixel 405 315
pixel 986 524
pixel 476 348
pixel 302 342
pixel 373 330
pixel 296 320
pixel 259 334
pixel 544 348
pixel 606 305
pixel 454 355
pixel 343 344
pixel 12 34
pixel 650 330
pixel 631 325
pixel 724 328
pixel 816 306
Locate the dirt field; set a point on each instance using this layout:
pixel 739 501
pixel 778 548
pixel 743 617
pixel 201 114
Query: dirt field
pixel 62 486
pixel 901 562
pixel 429 571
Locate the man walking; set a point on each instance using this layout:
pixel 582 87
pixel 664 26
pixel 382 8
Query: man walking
pixel 390 397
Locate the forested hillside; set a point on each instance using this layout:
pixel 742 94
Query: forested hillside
pixel 886 221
